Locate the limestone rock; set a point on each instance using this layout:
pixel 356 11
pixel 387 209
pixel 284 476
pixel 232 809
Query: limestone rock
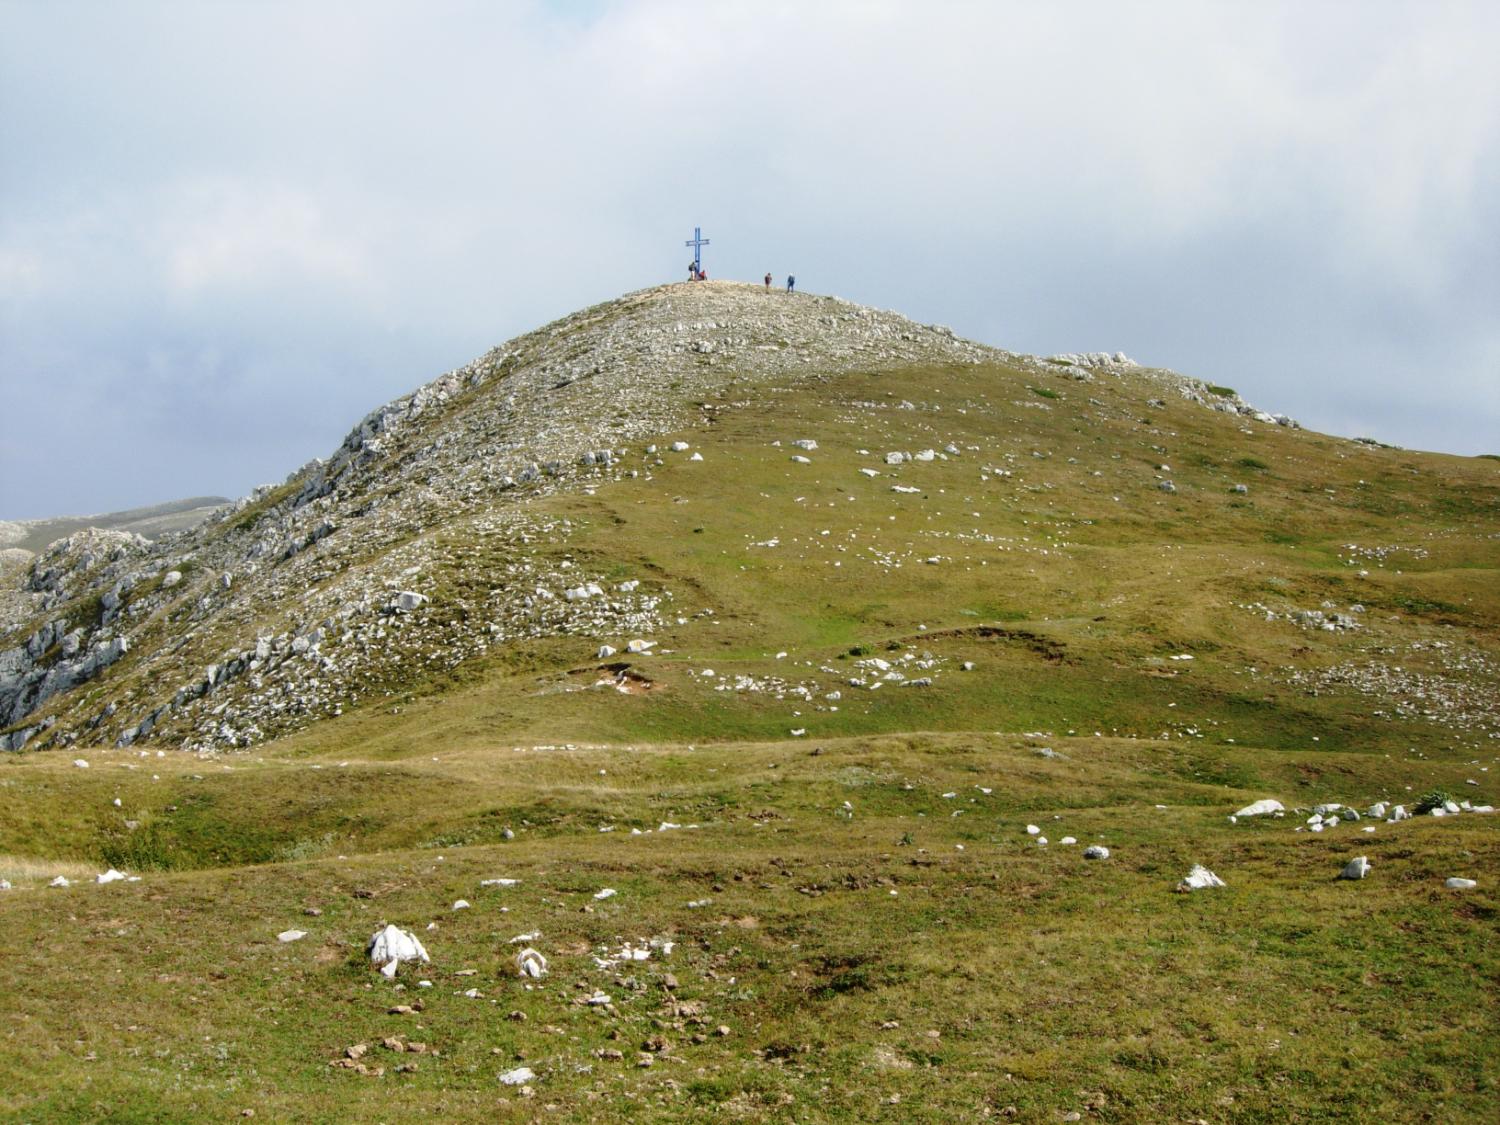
pixel 530 963
pixel 1264 807
pixel 1199 878
pixel 392 945
pixel 1356 868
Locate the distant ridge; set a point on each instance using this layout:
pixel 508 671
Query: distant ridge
pixel 151 522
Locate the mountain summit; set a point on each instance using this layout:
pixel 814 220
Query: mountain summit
pixel 481 516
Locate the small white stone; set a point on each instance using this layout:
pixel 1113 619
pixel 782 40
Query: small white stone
pixel 1458 884
pixel 1356 868
pixel 518 1077
pixel 461 904
pixel 1264 807
pixel 1096 851
pixel 287 936
pixel 530 963
pixel 1199 878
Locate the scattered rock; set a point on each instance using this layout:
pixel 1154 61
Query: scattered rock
pixel 1459 884
pixel 1356 868
pixel 1199 878
pixel 1264 807
pixel 287 936
pixel 390 946
pixel 518 1077
pixel 530 963
pixel 1096 851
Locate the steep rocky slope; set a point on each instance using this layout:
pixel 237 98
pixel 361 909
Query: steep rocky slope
pixel 307 598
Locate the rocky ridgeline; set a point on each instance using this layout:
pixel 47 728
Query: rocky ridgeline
pixel 1083 366
pixel 416 545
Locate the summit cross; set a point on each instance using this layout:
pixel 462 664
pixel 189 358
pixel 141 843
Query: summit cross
pixel 697 242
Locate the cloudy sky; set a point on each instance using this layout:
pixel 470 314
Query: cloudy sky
pixel 228 230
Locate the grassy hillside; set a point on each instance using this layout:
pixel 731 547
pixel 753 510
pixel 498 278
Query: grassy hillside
pixel 863 689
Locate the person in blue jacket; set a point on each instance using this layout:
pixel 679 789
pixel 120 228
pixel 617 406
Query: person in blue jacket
pixel 791 283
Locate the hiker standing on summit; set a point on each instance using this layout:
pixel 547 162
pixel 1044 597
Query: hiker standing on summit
pixel 768 281
pixel 791 283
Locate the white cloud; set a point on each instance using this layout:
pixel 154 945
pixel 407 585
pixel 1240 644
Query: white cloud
pixel 222 234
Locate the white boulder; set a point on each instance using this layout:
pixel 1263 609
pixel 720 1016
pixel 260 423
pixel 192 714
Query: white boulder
pixel 530 963
pixel 1458 884
pixel 392 945
pixel 1096 851
pixel 1264 807
pixel 1199 878
pixel 291 935
pixel 1356 868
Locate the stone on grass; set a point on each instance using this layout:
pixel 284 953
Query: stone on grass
pixel 1356 868
pixel 1096 851
pixel 518 1077
pixel 110 876
pixel 1458 884
pixel 1032 830
pixel 1199 878
pixel 530 963
pixel 1397 813
pixel 680 447
pixel 1264 807
pixel 1377 810
pixel 461 904
pixel 392 945
pixel 60 881
pixel 291 935
pixel 639 647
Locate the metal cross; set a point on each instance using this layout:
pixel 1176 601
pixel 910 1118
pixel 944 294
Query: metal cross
pixel 697 242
